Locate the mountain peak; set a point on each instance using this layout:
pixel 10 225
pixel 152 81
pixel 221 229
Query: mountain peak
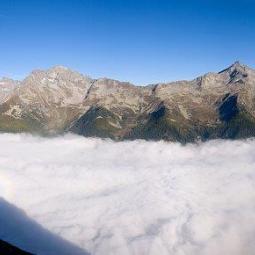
pixel 60 68
pixel 66 72
pixel 8 81
pixel 237 64
pixel 236 67
pixel 57 99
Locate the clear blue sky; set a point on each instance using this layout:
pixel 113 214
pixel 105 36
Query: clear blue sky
pixel 142 41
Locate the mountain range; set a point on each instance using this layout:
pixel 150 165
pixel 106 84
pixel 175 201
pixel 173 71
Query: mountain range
pixel 59 100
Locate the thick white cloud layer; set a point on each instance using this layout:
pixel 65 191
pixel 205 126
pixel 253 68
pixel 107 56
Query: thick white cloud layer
pixel 136 197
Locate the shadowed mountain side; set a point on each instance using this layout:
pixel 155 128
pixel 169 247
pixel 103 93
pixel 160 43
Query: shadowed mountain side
pixel 19 230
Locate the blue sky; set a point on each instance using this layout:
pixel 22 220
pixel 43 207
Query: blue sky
pixel 142 41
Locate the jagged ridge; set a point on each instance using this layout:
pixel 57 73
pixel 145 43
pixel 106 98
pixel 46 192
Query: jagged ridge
pixel 215 105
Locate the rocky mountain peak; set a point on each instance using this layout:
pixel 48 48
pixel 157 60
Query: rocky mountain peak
pixel 237 73
pixel 6 79
pixel 64 73
pixel 7 86
pixel 60 68
pixel 236 67
pixel 215 105
pixel 55 77
pixel 237 64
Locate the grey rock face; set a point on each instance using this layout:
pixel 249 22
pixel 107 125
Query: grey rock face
pixel 215 105
pixel 6 88
pixel 46 101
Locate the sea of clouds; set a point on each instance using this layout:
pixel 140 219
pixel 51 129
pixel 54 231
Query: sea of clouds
pixel 133 198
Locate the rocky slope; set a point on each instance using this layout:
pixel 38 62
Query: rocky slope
pixel 6 88
pixel 215 105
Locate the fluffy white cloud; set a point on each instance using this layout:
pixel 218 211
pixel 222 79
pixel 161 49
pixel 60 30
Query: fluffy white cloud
pixel 135 197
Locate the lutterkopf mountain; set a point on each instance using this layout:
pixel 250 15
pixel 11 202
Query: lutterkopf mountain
pixel 58 100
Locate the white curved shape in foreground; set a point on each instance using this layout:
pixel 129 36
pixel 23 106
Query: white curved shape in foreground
pixel 135 197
